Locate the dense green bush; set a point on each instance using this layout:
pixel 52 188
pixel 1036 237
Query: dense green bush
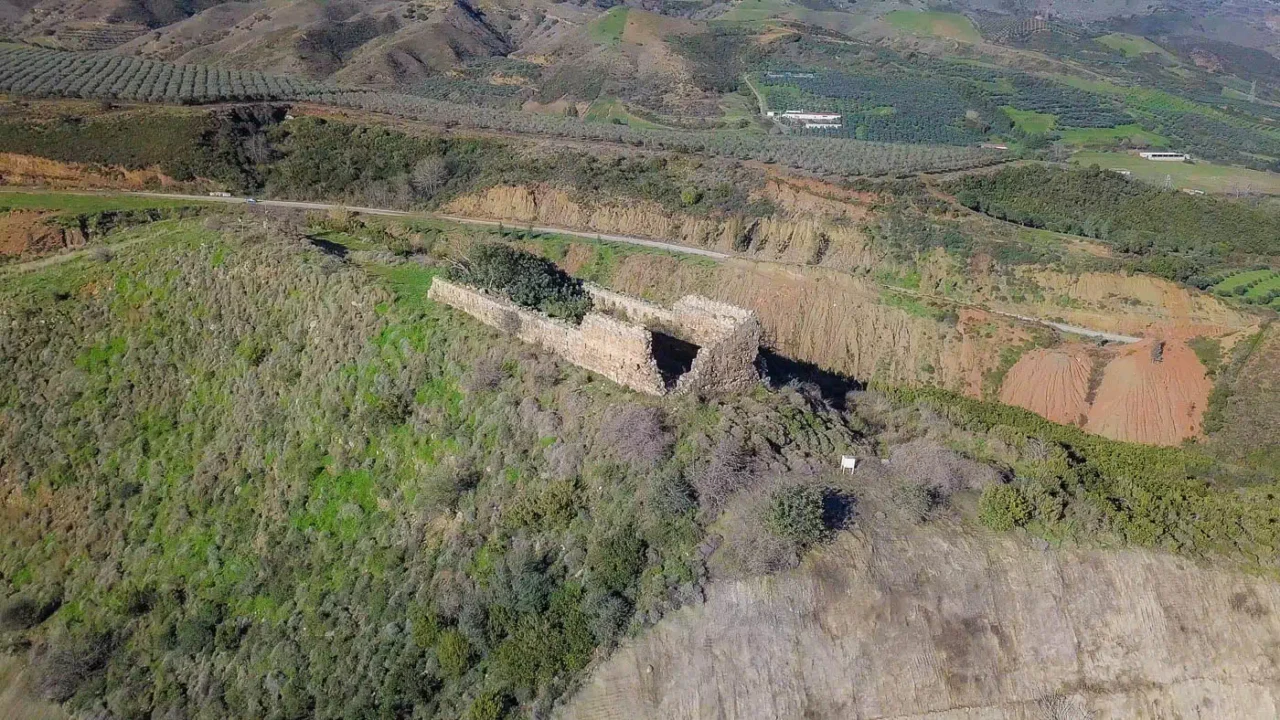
pixel 1003 507
pixel 1091 487
pixel 526 279
pixel 796 513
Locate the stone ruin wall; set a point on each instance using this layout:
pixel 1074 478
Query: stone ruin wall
pixel 728 337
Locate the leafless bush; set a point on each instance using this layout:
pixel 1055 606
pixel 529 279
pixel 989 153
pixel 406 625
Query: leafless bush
pixel 103 254
pixel 752 545
pixel 540 370
pixel 543 423
pixel 934 466
pixel 68 663
pixel 669 492
pixel 487 372
pixel 728 472
pixel 749 549
pixel 913 500
pixel 1061 707
pixel 635 434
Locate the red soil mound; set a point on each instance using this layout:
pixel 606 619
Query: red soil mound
pixel 1151 394
pixel 1052 383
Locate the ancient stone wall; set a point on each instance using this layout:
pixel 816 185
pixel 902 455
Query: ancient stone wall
pixel 622 350
pixel 617 350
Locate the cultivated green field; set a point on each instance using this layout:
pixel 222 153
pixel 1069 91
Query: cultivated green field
pixel 610 109
pixel 1030 120
pixel 1095 137
pixel 1201 175
pixel 757 10
pixel 935 24
pixel 1131 45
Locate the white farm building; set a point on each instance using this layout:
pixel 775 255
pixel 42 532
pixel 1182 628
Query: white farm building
pixel 803 116
pixel 810 120
pixel 1165 156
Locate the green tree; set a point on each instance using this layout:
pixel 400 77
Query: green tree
pixel 1003 507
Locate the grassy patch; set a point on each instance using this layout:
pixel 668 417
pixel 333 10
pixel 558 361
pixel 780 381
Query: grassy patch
pixel 1209 351
pixel 1200 175
pixel 934 24
pixel 758 10
pixel 608 28
pixel 1029 120
pixel 612 110
pixel 1105 137
pixel 915 306
pixel 1131 45
pixel 86 203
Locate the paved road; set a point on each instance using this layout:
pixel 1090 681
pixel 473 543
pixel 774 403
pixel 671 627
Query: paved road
pixel 644 242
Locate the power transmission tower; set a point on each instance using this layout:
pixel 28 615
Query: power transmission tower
pixel 1168 182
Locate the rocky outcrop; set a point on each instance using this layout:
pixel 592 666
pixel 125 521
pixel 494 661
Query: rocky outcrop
pixel 28 232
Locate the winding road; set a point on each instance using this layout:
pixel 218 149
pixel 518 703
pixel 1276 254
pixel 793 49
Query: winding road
pixel 630 240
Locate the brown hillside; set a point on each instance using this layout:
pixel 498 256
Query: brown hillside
pixel 939 624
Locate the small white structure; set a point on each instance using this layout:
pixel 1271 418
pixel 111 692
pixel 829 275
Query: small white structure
pixel 217 193
pixel 848 463
pixel 803 116
pixel 1165 156
pixel 1192 191
pixel 1122 171
pixel 821 126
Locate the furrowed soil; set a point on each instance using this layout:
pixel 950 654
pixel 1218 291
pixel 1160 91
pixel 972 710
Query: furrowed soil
pixel 944 624
pixel 1051 382
pixel 1151 396
pixel 1135 397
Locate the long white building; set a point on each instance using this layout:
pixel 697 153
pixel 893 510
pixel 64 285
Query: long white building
pixel 1165 156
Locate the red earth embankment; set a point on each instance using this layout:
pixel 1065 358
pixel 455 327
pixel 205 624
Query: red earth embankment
pixel 1051 382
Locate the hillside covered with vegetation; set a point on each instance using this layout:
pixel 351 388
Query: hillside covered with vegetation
pixel 244 475
pixel 1178 235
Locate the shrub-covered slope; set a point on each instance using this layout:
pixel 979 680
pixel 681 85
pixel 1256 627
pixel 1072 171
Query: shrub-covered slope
pixel 1179 234
pixel 241 478
pixel 244 475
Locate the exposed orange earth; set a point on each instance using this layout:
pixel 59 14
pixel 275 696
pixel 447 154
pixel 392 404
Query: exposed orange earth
pixel 1052 382
pixel 1154 391
pixel 1143 399
pixel 24 231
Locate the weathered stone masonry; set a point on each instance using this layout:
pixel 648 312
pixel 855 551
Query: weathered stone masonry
pixel 727 337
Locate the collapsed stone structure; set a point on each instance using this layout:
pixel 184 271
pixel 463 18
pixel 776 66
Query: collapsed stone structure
pixel 696 345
